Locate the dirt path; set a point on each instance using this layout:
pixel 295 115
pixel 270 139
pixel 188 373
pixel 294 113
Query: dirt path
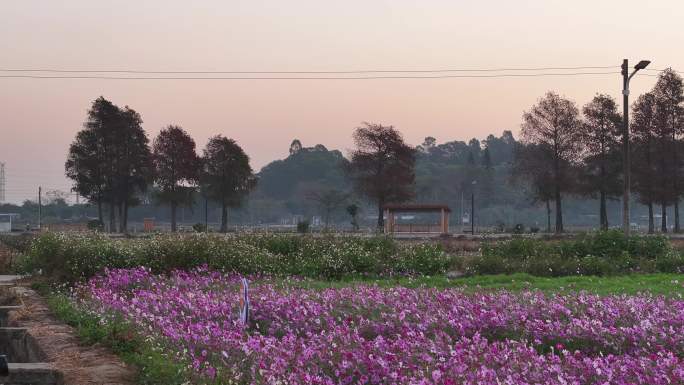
pixel 81 365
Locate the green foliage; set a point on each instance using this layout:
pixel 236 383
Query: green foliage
pixel 75 257
pixel 656 284
pixel 154 366
pixel 424 258
pixel 601 253
pixel 95 225
pixel 303 227
pixel 19 243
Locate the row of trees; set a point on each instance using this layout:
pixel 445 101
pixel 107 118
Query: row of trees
pixel 564 151
pixel 112 164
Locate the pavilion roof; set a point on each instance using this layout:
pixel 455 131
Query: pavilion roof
pixel 415 207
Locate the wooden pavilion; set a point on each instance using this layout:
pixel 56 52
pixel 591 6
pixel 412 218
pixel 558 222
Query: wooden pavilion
pixel 391 225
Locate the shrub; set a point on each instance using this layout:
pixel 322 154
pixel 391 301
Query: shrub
pixel 75 257
pixel 424 258
pixel 670 263
pixel 95 225
pixel 19 243
pixel 303 227
pixel 601 253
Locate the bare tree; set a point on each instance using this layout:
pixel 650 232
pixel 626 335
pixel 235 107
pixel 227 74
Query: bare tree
pixel 554 123
pixel 328 201
pixel 530 167
pixel 382 166
pixel 644 166
pixel 669 93
pixel 600 134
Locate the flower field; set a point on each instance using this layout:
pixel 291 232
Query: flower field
pixel 371 335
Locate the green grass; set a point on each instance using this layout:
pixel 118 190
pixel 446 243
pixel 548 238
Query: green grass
pixel 659 284
pixel 153 366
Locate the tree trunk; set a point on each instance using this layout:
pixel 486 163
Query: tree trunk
pixel 603 212
pixel 559 211
pixel 112 218
pixel 121 222
pixel 651 225
pixel 173 216
pixel 224 217
pixel 663 219
pixel 548 216
pixel 675 177
pixel 327 218
pixel 99 211
pixel 557 190
pixel 124 219
pixel 676 214
pixel 381 221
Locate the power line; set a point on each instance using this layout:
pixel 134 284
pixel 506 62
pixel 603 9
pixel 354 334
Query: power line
pixel 134 71
pixel 302 77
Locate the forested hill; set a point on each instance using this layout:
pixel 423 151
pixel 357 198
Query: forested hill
pixel 444 173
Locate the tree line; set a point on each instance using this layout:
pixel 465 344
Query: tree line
pixel 111 164
pixel 564 151
pixel 567 152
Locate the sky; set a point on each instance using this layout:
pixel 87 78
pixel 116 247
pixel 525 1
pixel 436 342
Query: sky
pixel 40 117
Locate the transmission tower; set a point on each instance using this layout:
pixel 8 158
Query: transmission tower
pixel 2 182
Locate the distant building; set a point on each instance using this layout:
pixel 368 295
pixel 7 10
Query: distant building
pixel 6 222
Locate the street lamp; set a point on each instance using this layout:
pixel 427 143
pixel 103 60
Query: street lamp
pixel 626 77
pixel 472 209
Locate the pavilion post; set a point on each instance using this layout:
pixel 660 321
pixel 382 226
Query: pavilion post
pixel 443 221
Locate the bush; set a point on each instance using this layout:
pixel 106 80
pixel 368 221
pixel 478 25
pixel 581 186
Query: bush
pixel 601 253
pixel 95 225
pixel 424 258
pixel 670 263
pixel 19 243
pixel 303 227
pixel 76 257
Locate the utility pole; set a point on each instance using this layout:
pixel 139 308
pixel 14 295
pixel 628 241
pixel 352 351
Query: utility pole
pixel 206 214
pixel 40 206
pixel 626 165
pixel 472 209
pixel 625 148
pixel 2 182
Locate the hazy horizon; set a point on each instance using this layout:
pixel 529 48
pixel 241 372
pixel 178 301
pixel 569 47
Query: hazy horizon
pixel 39 117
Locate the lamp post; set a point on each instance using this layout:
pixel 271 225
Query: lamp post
pixel 626 77
pixel 472 209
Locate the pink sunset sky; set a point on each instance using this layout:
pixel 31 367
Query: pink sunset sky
pixel 39 117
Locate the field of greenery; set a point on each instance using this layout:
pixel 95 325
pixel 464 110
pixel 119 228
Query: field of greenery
pixel 75 257
pixel 596 309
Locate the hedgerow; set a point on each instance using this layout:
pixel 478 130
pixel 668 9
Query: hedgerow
pixel 600 253
pixel 74 257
